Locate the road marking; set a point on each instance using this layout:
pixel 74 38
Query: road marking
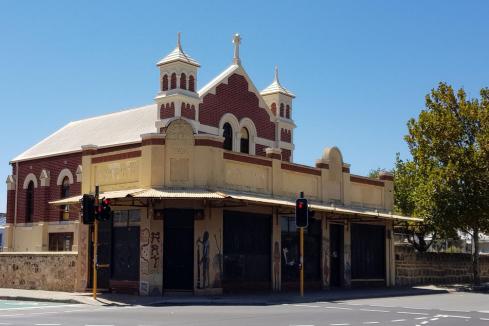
pixel 484 318
pixel 397 320
pixel 339 324
pixel 433 319
pixel 420 318
pixel 342 308
pixel 370 322
pixel 454 316
pixel 47 324
pixel 425 322
pixel 374 310
pixel 113 325
pixel 411 313
pixel 38 307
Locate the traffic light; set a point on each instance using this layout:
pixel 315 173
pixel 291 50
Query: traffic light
pixel 104 212
pixel 301 213
pixel 88 209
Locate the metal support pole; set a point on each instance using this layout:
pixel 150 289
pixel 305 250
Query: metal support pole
pixel 95 246
pixel 302 261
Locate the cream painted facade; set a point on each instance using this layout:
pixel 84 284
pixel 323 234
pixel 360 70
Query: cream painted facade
pixel 177 161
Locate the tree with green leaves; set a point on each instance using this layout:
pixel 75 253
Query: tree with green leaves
pixel 449 143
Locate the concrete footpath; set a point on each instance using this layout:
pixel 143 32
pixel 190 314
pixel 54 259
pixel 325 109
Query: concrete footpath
pixel 183 299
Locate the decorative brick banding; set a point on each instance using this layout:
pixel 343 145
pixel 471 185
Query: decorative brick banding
pixel 300 168
pixel 322 165
pixel 116 157
pixel 366 181
pixel 153 141
pixel 234 97
pixel 208 142
pixel 247 159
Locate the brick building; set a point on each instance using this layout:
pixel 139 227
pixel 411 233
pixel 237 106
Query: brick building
pixel 203 187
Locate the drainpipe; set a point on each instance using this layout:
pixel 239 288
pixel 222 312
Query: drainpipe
pixel 15 203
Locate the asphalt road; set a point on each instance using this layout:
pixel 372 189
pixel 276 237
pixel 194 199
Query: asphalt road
pixel 430 310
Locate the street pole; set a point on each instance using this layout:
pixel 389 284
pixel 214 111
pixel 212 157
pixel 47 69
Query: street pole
pixel 95 245
pixel 302 261
pixel 301 250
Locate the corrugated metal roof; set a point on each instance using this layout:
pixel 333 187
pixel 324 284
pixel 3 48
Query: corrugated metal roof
pixel 276 87
pixel 179 193
pixel 105 130
pixel 178 55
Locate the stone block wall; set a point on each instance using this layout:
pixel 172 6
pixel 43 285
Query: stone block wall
pixel 51 271
pixel 417 268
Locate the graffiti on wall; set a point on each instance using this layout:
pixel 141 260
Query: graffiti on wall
pixel 218 262
pixel 276 266
pixel 150 251
pixel 203 261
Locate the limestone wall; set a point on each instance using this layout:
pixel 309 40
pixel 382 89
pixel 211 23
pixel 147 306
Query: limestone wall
pixel 416 268
pixel 42 270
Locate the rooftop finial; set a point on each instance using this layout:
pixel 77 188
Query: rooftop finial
pixel 237 42
pixel 275 78
pixel 179 44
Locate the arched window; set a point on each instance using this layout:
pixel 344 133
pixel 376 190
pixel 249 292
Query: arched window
pixel 228 136
pixel 29 207
pixel 281 109
pixel 173 82
pixel 274 108
pixel 65 192
pixel 183 81
pixel 287 112
pixel 164 83
pixel 191 83
pixel 245 141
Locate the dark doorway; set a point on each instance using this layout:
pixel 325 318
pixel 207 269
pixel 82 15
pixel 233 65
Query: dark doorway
pixel 336 254
pixel 125 247
pixel 290 254
pixel 247 252
pixel 103 254
pixel 368 253
pixel 178 250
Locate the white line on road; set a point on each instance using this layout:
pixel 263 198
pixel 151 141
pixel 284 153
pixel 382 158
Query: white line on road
pixel 421 318
pixel 370 322
pixel 454 316
pixel 411 313
pixel 374 310
pixel 397 320
pixel 342 308
pixel 339 324
pixel 38 307
pixel 484 318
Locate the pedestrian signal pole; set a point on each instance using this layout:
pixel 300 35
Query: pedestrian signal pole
pixel 301 221
pixel 95 244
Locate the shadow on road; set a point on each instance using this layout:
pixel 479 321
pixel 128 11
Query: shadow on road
pixel 264 299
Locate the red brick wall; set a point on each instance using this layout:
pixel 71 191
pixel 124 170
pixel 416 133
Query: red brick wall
pixel 260 150
pixel 188 111
pixel 286 154
pixel 42 195
pixel 285 135
pixel 235 98
pixel 10 206
pixel 167 111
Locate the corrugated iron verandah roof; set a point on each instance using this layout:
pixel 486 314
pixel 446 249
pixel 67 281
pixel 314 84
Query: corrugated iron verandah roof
pixel 170 193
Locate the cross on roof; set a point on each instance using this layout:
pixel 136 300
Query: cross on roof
pixel 237 42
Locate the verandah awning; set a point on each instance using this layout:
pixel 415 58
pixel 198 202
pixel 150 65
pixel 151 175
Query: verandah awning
pixel 170 193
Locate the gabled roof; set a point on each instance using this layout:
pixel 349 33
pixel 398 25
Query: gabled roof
pixel 116 128
pixel 276 87
pixel 223 77
pixel 178 55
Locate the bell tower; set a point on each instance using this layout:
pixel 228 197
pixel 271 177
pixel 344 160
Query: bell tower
pixel 279 100
pixel 177 96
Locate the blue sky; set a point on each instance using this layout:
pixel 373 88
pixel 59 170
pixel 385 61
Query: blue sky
pixel 360 69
